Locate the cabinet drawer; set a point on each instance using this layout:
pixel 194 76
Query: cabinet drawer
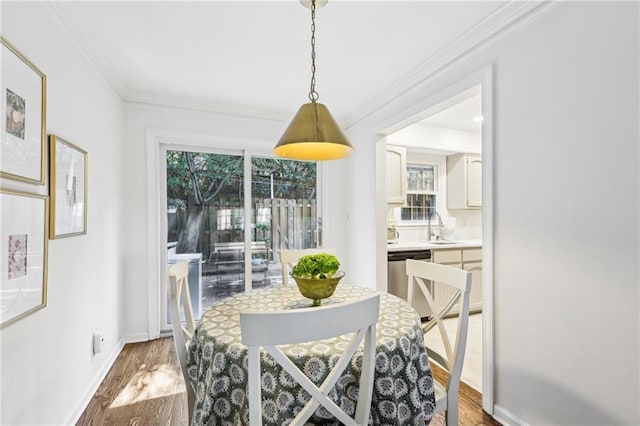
pixel 471 255
pixel 446 256
pixel 472 266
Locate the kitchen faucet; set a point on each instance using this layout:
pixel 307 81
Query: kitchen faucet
pixel 440 225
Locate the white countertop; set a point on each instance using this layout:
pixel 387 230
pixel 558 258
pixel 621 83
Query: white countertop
pixel 432 245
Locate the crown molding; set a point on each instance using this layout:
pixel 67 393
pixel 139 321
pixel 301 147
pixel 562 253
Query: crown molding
pixel 509 17
pixel 66 14
pixel 149 99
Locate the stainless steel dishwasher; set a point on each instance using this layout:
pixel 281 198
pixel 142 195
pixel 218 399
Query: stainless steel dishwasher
pixel 397 277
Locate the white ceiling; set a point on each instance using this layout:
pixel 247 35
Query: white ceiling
pixel 462 115
pixel 253 58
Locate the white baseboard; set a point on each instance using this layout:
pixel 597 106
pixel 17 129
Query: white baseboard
pixel 506 418
pixel 96 382
pixel 136 337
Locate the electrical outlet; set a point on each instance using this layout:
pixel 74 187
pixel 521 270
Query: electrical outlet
pixel 98 342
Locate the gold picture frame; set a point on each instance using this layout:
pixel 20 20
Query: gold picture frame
pixel 23 254
pixel 23 100
pixel 67 188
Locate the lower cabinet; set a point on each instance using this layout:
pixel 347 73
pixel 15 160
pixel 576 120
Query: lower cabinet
pixel 469 259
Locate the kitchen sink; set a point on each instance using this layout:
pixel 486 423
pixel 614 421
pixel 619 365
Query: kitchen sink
pixel 445 242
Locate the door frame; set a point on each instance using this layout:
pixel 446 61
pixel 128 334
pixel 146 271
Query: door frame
pixel 158 140
pixel 429 106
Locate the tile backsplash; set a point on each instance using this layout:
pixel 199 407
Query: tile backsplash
pixel 468 226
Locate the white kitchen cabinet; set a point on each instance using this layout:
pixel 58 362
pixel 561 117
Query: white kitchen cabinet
pixel 396 175
pixel 472 261
pixel 469 259
pixel 475 297
pixel 464 181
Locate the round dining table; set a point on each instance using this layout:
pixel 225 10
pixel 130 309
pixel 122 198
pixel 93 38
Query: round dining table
pixel 403 392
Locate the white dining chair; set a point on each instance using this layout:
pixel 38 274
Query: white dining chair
pixel 268 329
pixel 419 273
pixel 182 332
pixel 288 258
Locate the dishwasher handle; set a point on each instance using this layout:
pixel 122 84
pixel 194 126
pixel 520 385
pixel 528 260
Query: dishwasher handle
pixel 401 256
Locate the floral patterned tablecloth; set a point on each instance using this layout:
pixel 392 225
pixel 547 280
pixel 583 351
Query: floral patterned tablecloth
pixel 217 364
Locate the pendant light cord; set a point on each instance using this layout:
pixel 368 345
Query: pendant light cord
pixel 313 95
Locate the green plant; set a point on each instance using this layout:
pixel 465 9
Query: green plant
pixel 322 265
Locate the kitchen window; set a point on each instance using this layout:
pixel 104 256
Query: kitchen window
pixel 418 207
pixel 422 185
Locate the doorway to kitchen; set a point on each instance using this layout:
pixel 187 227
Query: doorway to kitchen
pixel 443 155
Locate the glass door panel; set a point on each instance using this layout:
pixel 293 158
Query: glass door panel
pixel 285 213
pixel 205 223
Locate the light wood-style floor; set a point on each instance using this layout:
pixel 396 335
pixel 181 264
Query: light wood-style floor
pixel 145 387
pixel 472 367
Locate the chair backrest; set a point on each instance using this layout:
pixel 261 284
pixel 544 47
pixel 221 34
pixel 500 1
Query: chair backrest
pixel 182 332
pixel 424 274
pixel 270 328
pixel 288 258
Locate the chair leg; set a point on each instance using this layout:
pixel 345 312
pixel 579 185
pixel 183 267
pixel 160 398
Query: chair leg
pixel 191 402
pixel 451 414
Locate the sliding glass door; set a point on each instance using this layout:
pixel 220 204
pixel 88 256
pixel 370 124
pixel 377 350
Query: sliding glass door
pixel 208 194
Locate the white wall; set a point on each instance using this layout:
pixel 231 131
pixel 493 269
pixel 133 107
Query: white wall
pixel 567 334
pixel 566 211
pixel 360 218
pixel 48 368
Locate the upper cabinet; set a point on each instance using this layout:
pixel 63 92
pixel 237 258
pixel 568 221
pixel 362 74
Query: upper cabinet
pixel 396 175
pixel 464 181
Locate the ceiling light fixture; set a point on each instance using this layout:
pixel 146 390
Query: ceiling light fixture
pixel 313 134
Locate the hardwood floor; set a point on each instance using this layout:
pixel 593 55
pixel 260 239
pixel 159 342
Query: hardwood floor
pixel 470 404
pixel 145 387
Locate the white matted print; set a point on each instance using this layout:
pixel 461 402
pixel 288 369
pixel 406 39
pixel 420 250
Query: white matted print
pixel 68 189
pixel 22 120
pixel 23 254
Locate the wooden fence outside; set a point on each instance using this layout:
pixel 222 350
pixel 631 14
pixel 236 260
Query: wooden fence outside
pixel 281 223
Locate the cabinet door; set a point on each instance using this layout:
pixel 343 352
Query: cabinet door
pixel 464 181
pixel 443 293
pixel 469 259
pixel 475 297
pixel 396 175
pixel 474 181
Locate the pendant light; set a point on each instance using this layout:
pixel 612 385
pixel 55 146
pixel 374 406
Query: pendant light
pixel 313 134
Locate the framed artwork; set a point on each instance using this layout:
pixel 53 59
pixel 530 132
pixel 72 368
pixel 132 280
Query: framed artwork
pixel 23 97
pixel 68 189
pixel 23 254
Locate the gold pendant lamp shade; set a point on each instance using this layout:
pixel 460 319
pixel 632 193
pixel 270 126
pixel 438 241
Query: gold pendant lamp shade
pixel 313 134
